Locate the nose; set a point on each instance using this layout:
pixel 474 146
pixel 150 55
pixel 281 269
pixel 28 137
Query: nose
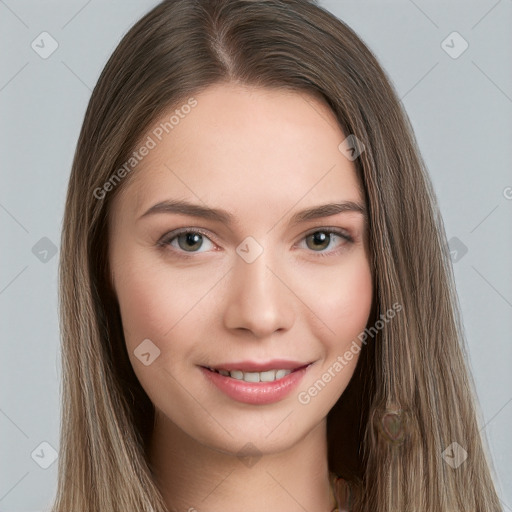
pixel 258 299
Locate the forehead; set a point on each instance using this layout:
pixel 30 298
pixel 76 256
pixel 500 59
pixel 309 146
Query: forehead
pixel 245 147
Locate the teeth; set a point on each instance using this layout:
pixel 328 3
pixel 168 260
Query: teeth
pixel 267 376
pixel 251 377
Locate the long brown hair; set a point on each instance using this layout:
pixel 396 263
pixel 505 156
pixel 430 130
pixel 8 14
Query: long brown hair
pixel 411 396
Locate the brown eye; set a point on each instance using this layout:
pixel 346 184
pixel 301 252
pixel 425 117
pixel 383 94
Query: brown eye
pixel 187 241
pixel 190 241
pixel 319 240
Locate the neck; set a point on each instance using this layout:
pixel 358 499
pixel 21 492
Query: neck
pixel 194 477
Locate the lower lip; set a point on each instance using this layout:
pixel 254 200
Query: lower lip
pixel 256 393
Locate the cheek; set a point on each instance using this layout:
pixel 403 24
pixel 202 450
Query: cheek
pixel 344 300
pixel 154 301
pixel 343 303
pixel 168 307
pixel 153 308
pixel 145 308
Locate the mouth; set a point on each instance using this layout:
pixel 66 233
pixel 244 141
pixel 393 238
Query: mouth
pixel 256 383
pixel 268 375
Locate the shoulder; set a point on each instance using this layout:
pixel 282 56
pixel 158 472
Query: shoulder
pixel 343 493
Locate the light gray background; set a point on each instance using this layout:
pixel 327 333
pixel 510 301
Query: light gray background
pixel 460 109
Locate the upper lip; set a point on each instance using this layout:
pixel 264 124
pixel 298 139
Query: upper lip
pixel 254 366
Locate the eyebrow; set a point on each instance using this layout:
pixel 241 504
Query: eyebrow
pixel 182 207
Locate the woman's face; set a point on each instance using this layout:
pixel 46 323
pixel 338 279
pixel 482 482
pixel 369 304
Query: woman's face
pixel 260 285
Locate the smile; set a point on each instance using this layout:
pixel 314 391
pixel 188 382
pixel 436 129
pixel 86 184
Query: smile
pixel 267 376
pixel 271 384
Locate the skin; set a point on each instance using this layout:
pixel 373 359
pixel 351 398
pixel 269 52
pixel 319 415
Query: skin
pixel 262 155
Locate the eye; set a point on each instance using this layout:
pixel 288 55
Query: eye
pixel 320 240
pixel 192 240
pixel 187 240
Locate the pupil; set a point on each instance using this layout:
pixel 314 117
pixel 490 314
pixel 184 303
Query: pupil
pixel 320 238
pixel 192 241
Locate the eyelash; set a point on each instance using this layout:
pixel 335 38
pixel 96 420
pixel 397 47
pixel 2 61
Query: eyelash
pixel 166 240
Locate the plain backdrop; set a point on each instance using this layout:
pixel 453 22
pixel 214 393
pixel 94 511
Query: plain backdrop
pixel 450 63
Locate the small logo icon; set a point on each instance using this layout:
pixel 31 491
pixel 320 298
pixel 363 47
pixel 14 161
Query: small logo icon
pixel 249 250
pixel 454 45
pixel 454 455
pixel 393 426
pixel 457 249
pixel 147 352
pixel 44 45
pixel 44 250
pixel 44 455
pixel 351 147
pixel 249 455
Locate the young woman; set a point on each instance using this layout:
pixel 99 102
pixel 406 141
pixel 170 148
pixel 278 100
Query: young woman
pixel 258 309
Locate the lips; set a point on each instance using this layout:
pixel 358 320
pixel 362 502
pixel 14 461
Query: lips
pixel 253 366
pixel 249 389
